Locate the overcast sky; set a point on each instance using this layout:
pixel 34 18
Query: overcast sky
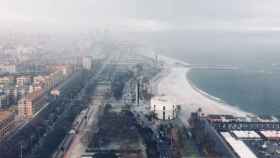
pixel 143 15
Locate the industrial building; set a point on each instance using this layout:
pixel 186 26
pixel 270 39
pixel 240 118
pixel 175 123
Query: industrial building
pixel 231 136
pixel 163 107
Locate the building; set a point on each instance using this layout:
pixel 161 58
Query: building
pixel 236 137
pixel 25 108
pixel 21 92
pixel 12 95
pixel 30 104
pixel 49 81
pixel 3 99
pixel 130 60
pixel 8 68
pixel 65 69
pixel 7 123
pixel 23 81
pixel 6 80
pixel 163 107
pixel 87 62
pixel 37 80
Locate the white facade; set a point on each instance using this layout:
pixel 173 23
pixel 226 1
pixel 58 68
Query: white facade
pixel 163 107
pixel 87 62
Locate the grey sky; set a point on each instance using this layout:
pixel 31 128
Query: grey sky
pixel 143 15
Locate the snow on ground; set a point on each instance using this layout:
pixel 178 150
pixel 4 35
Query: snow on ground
pixel 175 84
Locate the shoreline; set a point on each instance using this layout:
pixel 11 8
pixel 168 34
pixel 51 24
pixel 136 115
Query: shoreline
pixel 176 84
pixel 211 97
pixel 202 92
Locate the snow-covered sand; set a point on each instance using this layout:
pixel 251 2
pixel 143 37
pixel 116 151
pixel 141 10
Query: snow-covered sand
pixel 175 84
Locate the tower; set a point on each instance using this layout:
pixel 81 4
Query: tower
pixel 137 92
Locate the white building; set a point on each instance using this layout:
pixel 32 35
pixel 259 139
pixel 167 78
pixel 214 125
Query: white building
pixel 163 107
pixel 87 62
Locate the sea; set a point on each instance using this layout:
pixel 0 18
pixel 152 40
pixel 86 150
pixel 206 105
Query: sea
pixel 252 91
pixel 254 87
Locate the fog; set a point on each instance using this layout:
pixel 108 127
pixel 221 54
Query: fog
pixel 235 31
pixel 144 15
pixel 245 48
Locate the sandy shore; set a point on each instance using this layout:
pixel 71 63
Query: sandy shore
pixel 176 85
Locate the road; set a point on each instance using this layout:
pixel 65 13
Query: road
pixel 86 126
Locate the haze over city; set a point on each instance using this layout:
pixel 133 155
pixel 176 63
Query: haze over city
pixel 139 79
pixel 133 15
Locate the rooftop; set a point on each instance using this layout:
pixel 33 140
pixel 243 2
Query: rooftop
pixel 238 146
pixel 5 115
pixel 163 98
pixel 246 134
pixel 272 134
pixel 230 118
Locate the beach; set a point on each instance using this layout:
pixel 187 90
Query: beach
pixel 174 83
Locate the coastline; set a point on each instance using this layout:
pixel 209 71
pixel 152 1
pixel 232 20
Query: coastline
pixel 211 97
pixel 202 92
pixel 176 84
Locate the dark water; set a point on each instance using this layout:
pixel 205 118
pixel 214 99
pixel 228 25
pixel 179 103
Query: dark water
pixel 252 91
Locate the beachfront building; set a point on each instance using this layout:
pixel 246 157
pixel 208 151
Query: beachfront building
pixel 163 107
pixel 236 137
